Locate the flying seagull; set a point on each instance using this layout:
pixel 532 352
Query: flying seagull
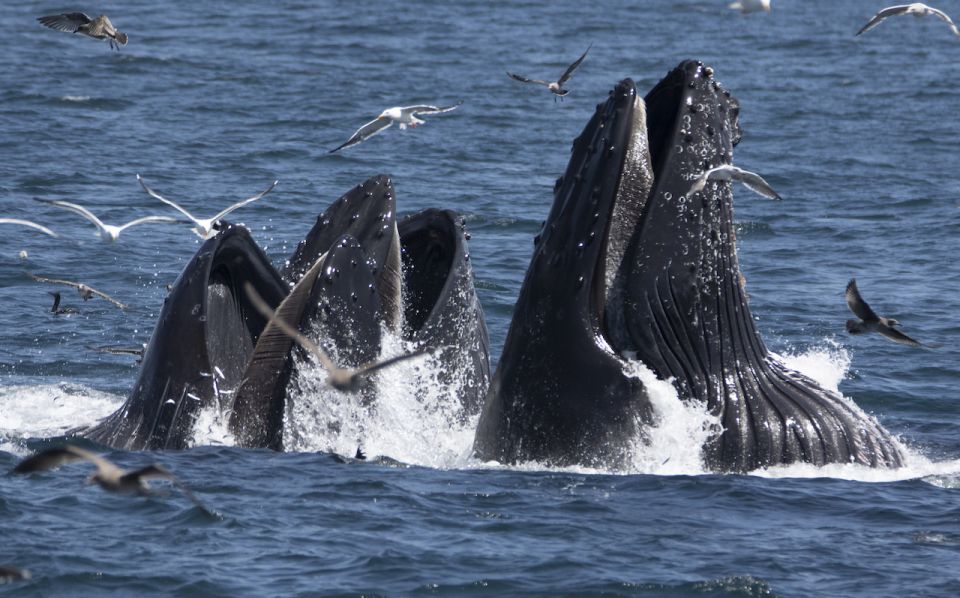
pixel 33 225
pixel 729 172
pixel 342 379
pixel 208 227
pixel 405 116
pixel 108 232
pixel 916 9
pixel 748 6
pixel 138 351
pixel 555 86
pixel 78 22
pixel 85 291
pixel 57 310
pixel 869 321
pixel 108 476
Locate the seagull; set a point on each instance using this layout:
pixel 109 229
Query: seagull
pixel 729 172
pixel 916 9
pixel 869 321
pixel 78 22
pixel 33 225
pixel 342 379
pixel 57 310
pixel 108 232
pixel 748 6
pixel 10 574
pixel 85 291
pixel 138 351
pixel 108 476
pixel 205 228
pixel 406 115
pixel 555 86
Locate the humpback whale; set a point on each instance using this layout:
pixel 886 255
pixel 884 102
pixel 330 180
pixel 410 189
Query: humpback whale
pixel 200 347
pixel 212 348
pixel 441 309
pixel 630 265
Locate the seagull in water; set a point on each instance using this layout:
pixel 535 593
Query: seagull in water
pixel 108 476
pixel 729 172
pixel 555 86
pixel 57 310
pixel 747 6
pixel 10 574
pixel 32 225
pixel 342 379
pixel 78 22
pixel 108 232
pixel 85 291
pixel 208 227
pixel 869 321
pixel 916 9
pixel 405 116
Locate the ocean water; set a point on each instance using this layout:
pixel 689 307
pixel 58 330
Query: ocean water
pixel 212 100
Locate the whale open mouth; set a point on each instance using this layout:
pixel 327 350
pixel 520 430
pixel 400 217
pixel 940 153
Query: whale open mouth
pixel 655 148
pixel 633 265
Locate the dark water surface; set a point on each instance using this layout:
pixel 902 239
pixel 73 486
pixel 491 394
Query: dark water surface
pixel 212 100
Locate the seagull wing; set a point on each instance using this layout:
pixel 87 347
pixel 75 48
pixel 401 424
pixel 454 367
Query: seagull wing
pixel 147 219
pixel 103 295
pixel 367 369
pixel 68 22
pixel 365 132
pixel 897 336
pixel 77 285
pixel 883 14
pixel 244 202
pixel 34 225
pixel 76 209
pixel 856 303
pixel 523 79
pixel 274 320
pixel 944 17
pixel 569 72
pixel 69 283
pixel 428 109
pixel 160 472
pixel 172 204
pixel 117 350
pixel 55 457
pixel 755 183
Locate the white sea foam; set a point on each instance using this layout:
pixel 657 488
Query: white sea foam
pixel 49 410
pixel 418 420
pixel 75 98
pixel 414 419
pixel 827 364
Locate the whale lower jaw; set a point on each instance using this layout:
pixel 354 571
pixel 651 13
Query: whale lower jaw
pixel 630 257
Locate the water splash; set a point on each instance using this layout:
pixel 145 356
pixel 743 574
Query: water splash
pixel 49 410
pixel 414 419
pixel 674 444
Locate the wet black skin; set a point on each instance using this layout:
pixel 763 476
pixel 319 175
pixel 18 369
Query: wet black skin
pixel 441 310
pixel 557 397
pixel 682 310
pixel 338 307
pixel 340 310
pixel 367 213
pixel 206 322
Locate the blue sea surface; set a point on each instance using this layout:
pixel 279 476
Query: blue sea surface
pixel 211 101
